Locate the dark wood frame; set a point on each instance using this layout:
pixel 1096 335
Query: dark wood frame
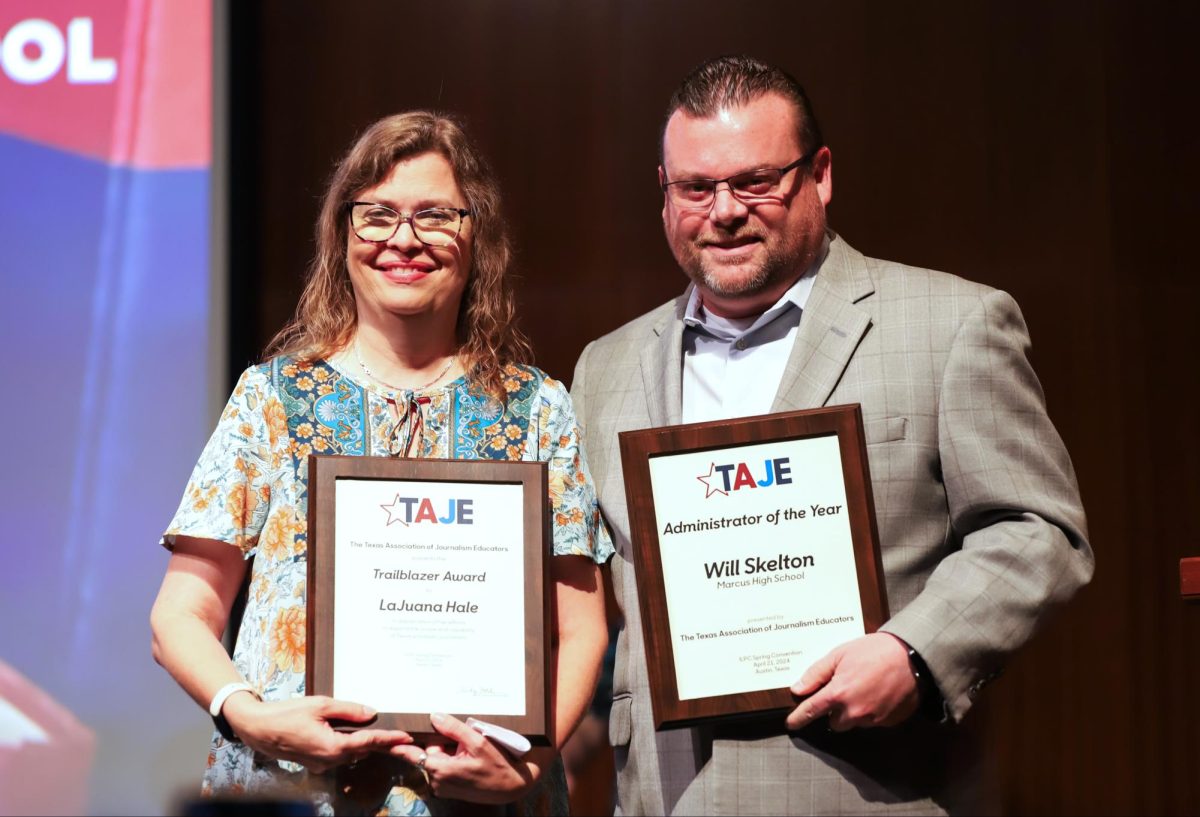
pixel 637 447
pixel 325 470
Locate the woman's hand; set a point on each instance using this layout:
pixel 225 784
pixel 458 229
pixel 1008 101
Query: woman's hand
pixel 299 730
pixel 475 769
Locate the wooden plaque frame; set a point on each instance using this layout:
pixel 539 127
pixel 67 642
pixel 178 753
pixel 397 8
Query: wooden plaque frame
pixel 637 448
pixel 1189 578
pixel 323 473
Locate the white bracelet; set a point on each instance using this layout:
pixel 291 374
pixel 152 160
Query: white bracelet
pixel 224 692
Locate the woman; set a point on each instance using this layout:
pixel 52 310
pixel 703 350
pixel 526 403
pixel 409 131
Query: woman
pixel 403 344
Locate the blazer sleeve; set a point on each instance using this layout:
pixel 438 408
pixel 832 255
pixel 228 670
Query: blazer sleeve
pixel 579 388
pixel 1017 525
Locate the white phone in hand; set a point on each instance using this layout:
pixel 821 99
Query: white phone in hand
pixel 514 742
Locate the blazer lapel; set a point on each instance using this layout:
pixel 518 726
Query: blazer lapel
pixel 662 365
pixel 830 330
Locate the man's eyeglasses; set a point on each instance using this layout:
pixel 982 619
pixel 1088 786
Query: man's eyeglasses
pixel 434 226
pixel 748 187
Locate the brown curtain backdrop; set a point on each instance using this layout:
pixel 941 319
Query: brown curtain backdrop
pixel 1047 148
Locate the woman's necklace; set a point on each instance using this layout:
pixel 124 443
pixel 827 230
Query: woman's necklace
pixel 367 371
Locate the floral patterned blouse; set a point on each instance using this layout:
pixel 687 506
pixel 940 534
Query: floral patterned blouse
pixel 250 489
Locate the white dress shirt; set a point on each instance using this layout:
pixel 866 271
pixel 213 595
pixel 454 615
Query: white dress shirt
pixel 732 366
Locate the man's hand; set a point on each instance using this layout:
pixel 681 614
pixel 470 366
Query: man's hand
pixel 474 769
pixel 864 682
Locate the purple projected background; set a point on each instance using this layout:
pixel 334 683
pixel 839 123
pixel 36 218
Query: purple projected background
pixel 104 245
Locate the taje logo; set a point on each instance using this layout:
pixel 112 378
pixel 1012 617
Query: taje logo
pixel 458 511
pixel 736 476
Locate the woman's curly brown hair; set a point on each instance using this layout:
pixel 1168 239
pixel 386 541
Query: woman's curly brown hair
pixel 326 317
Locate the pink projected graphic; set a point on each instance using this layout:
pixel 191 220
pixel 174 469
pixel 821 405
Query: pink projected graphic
pixel 125 82
pixel 45 753
pixel 105 153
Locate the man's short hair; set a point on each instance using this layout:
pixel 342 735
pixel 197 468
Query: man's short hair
pixel 733 81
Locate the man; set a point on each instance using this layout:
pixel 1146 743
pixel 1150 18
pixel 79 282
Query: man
pixel 980 522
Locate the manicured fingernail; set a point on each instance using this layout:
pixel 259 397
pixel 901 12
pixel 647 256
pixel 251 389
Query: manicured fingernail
pixel 369 712
pixel 438 717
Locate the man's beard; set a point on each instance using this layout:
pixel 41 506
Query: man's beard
pixel 780 261
pixel 715 275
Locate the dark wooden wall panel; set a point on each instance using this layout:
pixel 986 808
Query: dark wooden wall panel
pixel 1046 148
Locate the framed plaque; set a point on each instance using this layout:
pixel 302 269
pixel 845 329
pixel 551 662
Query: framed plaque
pixel 427 586
pixel 756 553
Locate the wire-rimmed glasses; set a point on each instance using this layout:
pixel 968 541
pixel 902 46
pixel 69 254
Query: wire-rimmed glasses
pixel 433 226
pixel 748 187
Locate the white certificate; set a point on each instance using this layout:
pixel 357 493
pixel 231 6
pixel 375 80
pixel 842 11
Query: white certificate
pixel 758 562
pixel 429 592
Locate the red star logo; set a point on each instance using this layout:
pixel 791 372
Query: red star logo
pixel 395 512
pixel 709 490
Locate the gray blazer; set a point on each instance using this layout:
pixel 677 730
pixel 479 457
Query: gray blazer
pixel 981 527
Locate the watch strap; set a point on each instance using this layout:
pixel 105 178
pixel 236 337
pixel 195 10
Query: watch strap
pixel 930 702
pixel 218 703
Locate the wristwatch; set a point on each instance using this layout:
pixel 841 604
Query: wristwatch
pixel 218 702
pixel 930 702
